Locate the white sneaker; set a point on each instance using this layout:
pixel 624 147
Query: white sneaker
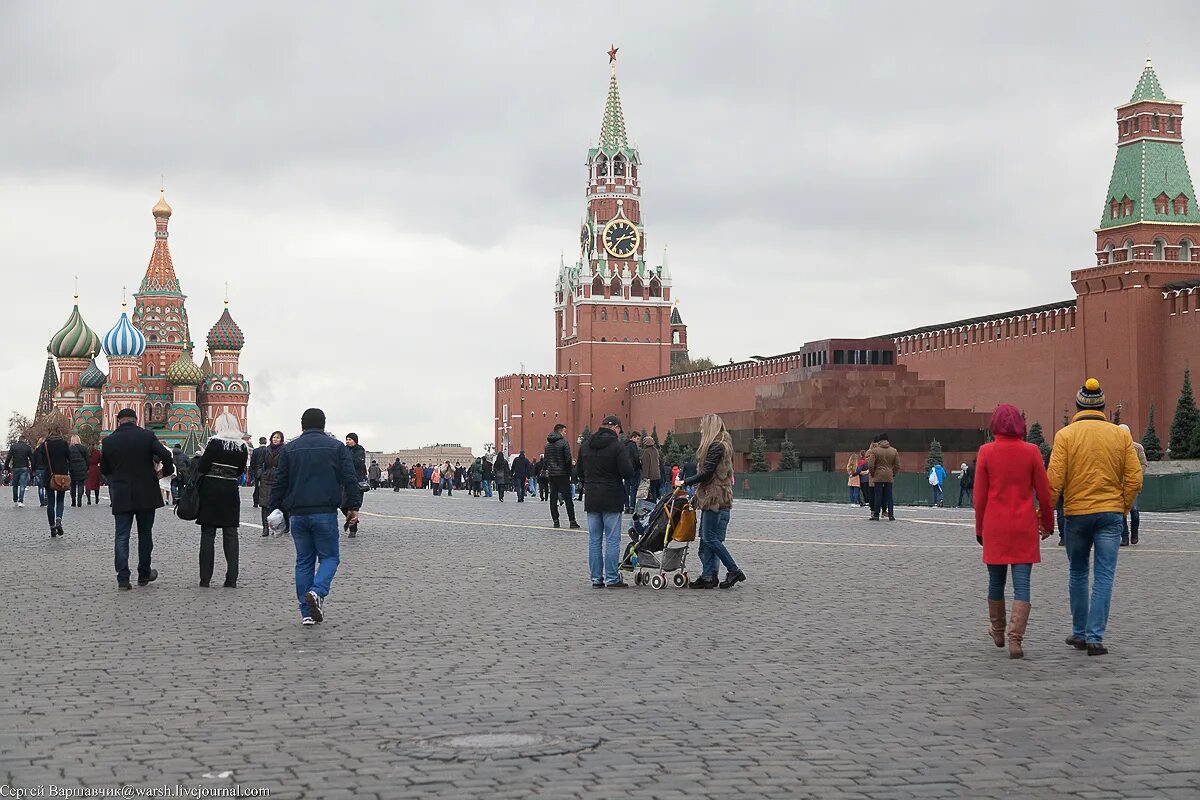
pixel 21 504
pixel 308 621
pixel 315 604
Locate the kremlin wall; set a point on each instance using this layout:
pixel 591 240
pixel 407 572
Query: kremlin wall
pixel 1134 323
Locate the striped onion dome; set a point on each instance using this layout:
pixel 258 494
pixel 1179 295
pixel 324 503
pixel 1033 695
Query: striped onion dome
pixel 124 339
pixel 75 339
pixel 92 377
pixel 226 335
pixel 184 371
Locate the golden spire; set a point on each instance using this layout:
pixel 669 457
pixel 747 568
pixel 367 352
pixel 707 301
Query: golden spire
pixel 161 209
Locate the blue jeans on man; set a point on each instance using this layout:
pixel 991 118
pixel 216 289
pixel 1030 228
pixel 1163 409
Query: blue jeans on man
pixel 145 529
pixel 1086 532
pixel 317 554
pixel 713 525
pixel 604 546
pixel 487 488
pixel 43 480
pixel 631 488
pixel 20 481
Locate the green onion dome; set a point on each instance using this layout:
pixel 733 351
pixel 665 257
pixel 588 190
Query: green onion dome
pixel 92 377
pixel 184 371
pixel 75 339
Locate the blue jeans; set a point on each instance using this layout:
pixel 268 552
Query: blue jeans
pixel 145 529
pixel 54 505
pixel 43 479
pixel 1103 532
pixel 316 539
pixel 487 488
pixel 631 487
pixel 965 492
pixel 997 573
pixel 20 481
pixel 713 525
pixel 854 495
pixel 604 545
pixel 937 494
pixel 1134 520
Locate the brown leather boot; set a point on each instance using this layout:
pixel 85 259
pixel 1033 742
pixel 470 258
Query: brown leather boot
pixel 996 615
pixel 1016 628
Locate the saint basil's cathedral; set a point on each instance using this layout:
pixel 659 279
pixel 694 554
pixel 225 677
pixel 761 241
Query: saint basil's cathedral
pixel 151 365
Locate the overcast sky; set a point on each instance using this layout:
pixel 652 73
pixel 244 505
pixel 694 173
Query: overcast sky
pixel 387 186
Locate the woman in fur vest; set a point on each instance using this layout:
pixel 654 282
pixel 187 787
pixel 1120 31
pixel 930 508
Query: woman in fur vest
pixel 714 498
pixel 224 460
pixel 1009 475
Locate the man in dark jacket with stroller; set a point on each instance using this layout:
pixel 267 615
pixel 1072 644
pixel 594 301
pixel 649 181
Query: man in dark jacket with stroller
pixel 556 461
pixel 604 465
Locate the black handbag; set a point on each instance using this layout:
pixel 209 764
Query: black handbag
pixel 188 506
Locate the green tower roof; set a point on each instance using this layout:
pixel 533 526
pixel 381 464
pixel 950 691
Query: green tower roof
pixel 1143 171
pixel 1148 87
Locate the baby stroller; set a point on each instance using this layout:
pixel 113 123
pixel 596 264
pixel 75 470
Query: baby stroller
pixel 661 532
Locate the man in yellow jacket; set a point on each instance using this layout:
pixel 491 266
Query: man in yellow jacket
pixel 1094 467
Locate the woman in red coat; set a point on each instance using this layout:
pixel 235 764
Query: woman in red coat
pixel 92 484
pixel 1009 475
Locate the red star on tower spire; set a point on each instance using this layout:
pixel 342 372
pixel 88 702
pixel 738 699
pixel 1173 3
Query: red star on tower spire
pixel 612 54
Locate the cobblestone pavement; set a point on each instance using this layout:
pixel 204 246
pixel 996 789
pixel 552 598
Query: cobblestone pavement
pixel 853 663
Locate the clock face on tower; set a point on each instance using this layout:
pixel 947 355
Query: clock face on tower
pixel 621 238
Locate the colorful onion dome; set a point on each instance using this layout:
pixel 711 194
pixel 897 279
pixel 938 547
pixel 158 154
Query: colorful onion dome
pixel 161 209
pixel 75 339
pixel 184 371
pixel 226 335
pixel 92 377
pixel 124 340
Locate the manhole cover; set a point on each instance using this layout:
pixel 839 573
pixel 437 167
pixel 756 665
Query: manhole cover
pixel 493 746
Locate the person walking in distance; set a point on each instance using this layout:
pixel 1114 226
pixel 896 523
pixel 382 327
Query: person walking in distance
pixel 266 480
pixel 884 463
pixel 520 474
pixel 56 454
pixel 557 463
pixel 374 474
pixel 1094 467
pixel 652 467
pixel 966 483
pixel 489 475
pixel 91 486
pixel 358 456
pixel 501 471
pixel 79 470
pixel 604 465
pixel 223 461
pixel 1010 475
pixel 633 450
pixel 256 467
pixel 314 477
pixel 127 460
pixel 20 460
pixel 714 498
pixel 1131 523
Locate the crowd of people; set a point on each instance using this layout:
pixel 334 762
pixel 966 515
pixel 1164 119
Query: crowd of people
pixel 1091 483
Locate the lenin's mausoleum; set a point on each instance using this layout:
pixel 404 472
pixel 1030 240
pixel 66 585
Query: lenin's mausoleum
pixel 1133 322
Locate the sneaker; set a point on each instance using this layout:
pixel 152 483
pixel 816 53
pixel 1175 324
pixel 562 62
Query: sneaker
pixel 21 504
pixel 308 622
pixel 618 585
pixel 315 605
pixel 151 578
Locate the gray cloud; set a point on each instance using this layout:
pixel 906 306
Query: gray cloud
pixel 387 186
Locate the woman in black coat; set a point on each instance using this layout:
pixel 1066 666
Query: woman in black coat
pixel 56 454
pixel 79 470
pixel 224 460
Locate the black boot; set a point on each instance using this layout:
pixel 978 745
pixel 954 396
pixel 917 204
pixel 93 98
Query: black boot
pixel 704 583
pixel 732 579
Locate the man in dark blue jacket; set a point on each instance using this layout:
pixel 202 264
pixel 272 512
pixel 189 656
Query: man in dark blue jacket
pixel 314 470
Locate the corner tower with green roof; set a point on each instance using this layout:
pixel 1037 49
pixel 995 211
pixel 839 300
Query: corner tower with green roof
pixel 1151 211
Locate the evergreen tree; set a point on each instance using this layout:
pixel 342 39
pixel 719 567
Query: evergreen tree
pixel 787 452
pixel 1150 442
pixel 758 454
pixel 935 455
pixel 1186 422
pixel 1036 436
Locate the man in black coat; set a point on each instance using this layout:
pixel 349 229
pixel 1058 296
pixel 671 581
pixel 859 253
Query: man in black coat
pixel 633 448
pixel 520 473
pixel 127 459
pixel 557 464
pixel 604 465
pixel 258 462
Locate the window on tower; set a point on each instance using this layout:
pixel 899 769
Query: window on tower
pixel 604 313
pixel 1160 250
pixel 625 316
pixel 619 165
pixel 1181 204
pixel 1170 124
pixel 1154 122
pixel 602 165
pixel 1137 124
pixel 1185 250
pixel 1161 203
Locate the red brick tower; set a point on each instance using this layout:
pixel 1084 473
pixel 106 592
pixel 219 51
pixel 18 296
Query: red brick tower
pixel 1149 236
pixel 612 308
pixel 159 313
pixel 225 388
